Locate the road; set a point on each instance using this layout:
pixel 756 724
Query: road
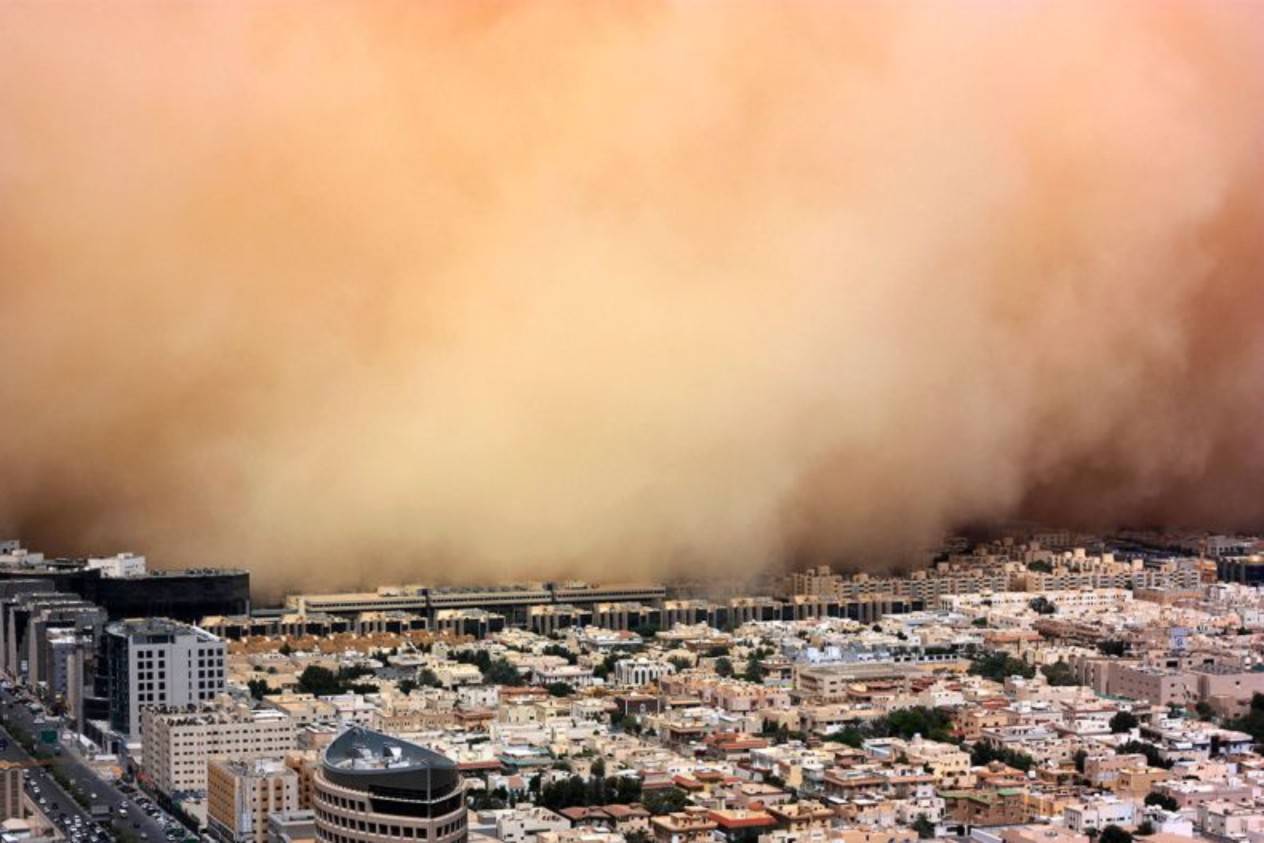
pixel 42 789
pixel 135 821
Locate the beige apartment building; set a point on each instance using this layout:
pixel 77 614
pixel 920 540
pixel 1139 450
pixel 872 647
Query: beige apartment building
pixel 1153 684
pixel 178 744
pixel 240 795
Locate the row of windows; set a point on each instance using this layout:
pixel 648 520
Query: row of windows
pixel 390 830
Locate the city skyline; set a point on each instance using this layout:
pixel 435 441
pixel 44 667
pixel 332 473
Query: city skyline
pixel 452 290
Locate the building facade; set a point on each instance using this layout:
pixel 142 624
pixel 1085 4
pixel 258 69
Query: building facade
pixel 240 795
pixel 178 744
pixel 156 662
pixel 372 788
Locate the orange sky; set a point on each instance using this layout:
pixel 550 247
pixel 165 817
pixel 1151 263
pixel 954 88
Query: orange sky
pixel 357 292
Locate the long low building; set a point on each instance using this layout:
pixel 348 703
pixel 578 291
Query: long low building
pixel 544 608
pixel 514 601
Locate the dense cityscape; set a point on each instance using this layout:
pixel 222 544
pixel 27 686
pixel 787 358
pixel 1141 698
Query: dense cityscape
pixel 1040 687
pixel 653 421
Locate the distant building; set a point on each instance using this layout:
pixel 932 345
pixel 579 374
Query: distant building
pixel 640 671
pixel 689 826
pixel 1098 813
pixel 184 595
pixel 526 822
pixel 1248 570
pixel 119 565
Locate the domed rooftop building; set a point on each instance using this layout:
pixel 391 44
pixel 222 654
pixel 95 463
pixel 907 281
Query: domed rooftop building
pixel 372 788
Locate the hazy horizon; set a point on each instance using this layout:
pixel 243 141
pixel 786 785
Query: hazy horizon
pixel 453 292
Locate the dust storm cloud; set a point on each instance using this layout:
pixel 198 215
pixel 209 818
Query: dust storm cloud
pixel 354 293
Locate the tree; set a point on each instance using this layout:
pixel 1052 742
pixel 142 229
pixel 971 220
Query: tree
pixel 723 667
pixel 1114 834
pixel 501 672
pixel 931 723
pixel 627 789
pixel 603 669
pixel 559 689
pixel 1153 755
pixel 1078 759
pixel 1162 800
pixel 1042 606
pixel 1204 711
pixel 981 622
pixel 567 793
pixel 999 666
pixel 754 670
pixel 563 652
pixel 924 827
pixel 1123 721
pixel 1145 829
pixel 646 630
pixel 320 681
pixel 429 678
pixel 407 686
pixel 286 649
pixel 1040 566
pixel 1111 647
pixel 849 735
pixel 665 801
pixel 1253 721
pixel 983 753
pixel 258 688
pixel 484 801
pixel 680 663
pixel 1059 673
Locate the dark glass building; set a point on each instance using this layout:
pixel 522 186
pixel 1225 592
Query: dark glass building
pixel 185 596
pixel 372 788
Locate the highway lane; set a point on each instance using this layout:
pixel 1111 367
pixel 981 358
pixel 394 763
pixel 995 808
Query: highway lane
pixel 54 802
pixel 134 819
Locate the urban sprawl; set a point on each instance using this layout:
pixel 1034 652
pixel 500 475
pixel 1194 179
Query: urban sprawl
pixel 1044 687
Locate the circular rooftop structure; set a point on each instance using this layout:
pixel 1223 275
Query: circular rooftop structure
pixel 379 764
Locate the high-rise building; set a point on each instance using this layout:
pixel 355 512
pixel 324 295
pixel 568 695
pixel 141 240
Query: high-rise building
pixel 155 662
pixel 373 788
pixel 241 794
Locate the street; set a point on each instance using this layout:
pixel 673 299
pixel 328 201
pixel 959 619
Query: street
pixel 140 818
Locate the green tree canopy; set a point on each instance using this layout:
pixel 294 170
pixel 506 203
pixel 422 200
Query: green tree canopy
pixel 665 801
pixel 1114 834
pixel 1124 721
